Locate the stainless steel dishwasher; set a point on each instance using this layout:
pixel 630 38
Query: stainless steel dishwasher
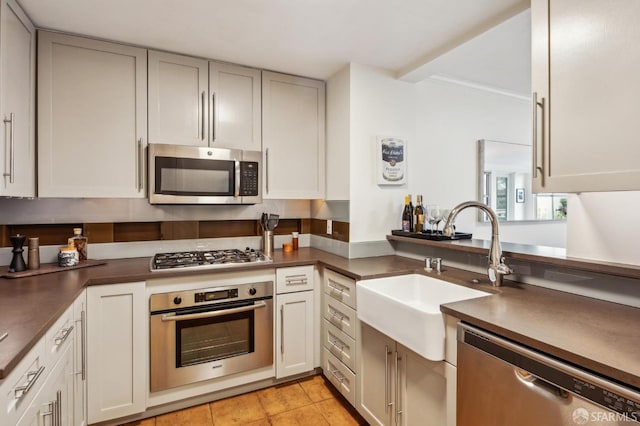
pixel 501 383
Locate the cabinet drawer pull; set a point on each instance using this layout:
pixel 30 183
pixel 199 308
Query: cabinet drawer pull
pixel 337 345
pixel 335 374
pixel 64 335
pixel 336 314
pixel 32 378
pixel 296 279
pixel 339 290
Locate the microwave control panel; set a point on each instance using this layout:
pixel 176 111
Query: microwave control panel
pixel 248 178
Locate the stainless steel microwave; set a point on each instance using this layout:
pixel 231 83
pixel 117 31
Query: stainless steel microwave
pixel 180 174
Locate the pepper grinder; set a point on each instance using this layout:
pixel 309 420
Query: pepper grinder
pixel 17 263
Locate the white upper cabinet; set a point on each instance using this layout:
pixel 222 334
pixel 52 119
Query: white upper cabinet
pixel 92 118
pixel 178 99
pixel 293 122
pixel 197 102
pixel 235 96
pixel 17 101
pixel 586 62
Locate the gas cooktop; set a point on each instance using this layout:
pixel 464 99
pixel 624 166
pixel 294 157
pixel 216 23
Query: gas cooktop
pixel 207 259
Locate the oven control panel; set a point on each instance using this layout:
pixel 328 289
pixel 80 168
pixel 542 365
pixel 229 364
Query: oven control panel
pixel 210 296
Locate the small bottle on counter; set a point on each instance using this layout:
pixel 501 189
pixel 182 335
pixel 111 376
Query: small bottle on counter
pixel 294 240
pixel 79 242
pixel 407 215
pixel 418 216
pixel 33 257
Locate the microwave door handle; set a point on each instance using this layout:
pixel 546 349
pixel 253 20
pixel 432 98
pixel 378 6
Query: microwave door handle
pixel 236 192
pixel 174 317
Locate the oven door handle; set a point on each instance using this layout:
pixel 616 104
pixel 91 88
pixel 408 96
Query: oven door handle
pixel 174 317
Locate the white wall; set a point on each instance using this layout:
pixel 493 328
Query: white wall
pixel 381 105
pixel 604 226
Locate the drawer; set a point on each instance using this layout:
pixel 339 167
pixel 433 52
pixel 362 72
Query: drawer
pixel 22 384
pixel 339 344
pixel 339 287
pixel 340 376
pixel 296 278
pixel 340 315
pixel 59 336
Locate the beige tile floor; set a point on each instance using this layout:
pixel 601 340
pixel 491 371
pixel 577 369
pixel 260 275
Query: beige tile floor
pixel 305 402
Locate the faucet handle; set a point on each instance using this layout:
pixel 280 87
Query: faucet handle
pixel 438 262
pixel 427 263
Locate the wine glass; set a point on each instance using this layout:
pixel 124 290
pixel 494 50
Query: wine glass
pixel 434 216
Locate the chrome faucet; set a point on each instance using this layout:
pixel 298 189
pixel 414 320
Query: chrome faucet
pixel 497 269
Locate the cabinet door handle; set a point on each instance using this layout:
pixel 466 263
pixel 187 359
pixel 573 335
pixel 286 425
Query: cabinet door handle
pixel 11 121
pixel 140 164
pixel 266 168
pixel 51 413
pixel 398 391
pixel 387 402
pixel 282 330
pixel 202 116
pixel 58 409
pixel 213 117
pixel 538 147
pixel 83 349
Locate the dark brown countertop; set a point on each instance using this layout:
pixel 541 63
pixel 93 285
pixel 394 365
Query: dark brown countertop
pixel 598 335
pixel 30 306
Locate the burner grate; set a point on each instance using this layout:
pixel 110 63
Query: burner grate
pixel 206 258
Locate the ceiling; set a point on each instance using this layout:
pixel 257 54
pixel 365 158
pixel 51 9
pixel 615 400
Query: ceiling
pixel 313 38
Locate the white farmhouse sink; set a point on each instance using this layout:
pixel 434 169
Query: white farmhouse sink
pixel 407 309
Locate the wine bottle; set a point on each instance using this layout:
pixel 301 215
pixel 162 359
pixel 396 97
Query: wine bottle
pixel 407 215
pixel 418 214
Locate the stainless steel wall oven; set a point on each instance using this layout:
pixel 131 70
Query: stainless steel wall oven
pixel 207 333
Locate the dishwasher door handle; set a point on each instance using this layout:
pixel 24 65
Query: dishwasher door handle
pixel 534 382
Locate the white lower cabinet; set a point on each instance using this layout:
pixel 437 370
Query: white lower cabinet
pixel 295 322
pixel 116 350
pixel 294 338
pixel 396 386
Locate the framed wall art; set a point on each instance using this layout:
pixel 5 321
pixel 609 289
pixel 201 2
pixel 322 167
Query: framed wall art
pixel 391 156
